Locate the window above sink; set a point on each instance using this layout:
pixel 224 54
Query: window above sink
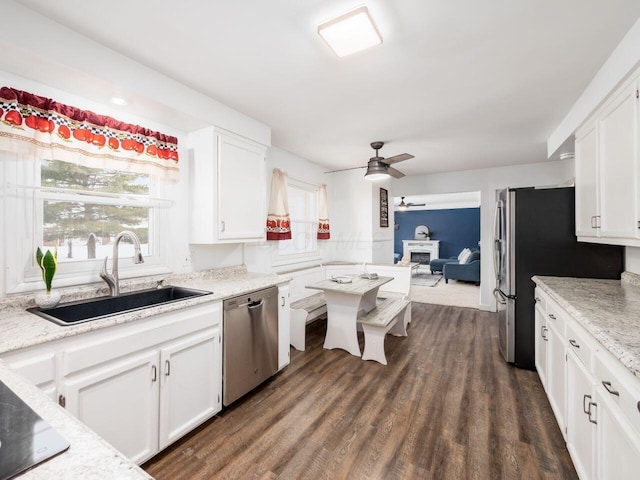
pixel 80 210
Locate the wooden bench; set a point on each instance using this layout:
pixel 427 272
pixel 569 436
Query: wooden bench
pixel 386 317
pixel 303 312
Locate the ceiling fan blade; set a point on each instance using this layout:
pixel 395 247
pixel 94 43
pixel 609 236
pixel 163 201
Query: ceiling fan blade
pixel 416 204
pixel 397 158
pixel 345 169
pixel 394 173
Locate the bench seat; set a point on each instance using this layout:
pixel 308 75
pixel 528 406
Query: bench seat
pixel 303 312
pixel 388 316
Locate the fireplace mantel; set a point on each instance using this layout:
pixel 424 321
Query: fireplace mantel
pixel 432 247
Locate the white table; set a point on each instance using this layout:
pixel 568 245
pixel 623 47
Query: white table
pixel 345 301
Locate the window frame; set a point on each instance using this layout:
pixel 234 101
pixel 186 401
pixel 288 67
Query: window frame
pixel 23 200
pixel 280 259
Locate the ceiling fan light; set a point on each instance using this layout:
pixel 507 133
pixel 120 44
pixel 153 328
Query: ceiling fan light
pixel 403 207
pixel 376 171
pixel 350 33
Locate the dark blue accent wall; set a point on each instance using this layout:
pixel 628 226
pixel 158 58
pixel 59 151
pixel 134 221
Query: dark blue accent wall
pixel 456 228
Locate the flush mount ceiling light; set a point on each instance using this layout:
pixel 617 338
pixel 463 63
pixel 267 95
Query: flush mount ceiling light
pixel 350 33
pixel 119 101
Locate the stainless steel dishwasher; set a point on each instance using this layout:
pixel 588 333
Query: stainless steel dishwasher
pixel 250 345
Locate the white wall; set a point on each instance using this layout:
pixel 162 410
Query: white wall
pixel 487 181
pixel 65 59
pixel 619 64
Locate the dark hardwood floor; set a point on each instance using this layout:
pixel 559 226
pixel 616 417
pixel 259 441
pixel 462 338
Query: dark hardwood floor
pixel 446 407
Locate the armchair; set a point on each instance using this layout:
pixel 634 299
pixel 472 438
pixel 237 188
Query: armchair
pixel 469 271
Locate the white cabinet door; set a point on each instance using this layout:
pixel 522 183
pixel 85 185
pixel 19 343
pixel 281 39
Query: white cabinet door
pixel 618 444
pixel 541 344
pixel 241 189
pixel 556 374
pixel 284 326
pixel 581 412
pixel 586 167
pixel 119 401
pixel 617 166
pixel 191 372
pixel 39 367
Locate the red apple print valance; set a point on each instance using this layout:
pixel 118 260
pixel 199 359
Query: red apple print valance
pixel 30 124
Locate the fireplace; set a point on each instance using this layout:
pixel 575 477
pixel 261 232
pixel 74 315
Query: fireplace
pixel 421 251
pixel 422 258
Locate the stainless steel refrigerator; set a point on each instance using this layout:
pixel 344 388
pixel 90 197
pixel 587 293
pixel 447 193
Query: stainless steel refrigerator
pixel 534 234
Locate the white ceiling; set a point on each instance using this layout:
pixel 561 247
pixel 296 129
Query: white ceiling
pixel 460 84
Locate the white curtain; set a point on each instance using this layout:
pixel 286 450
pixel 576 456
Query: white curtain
pixel 278 221
pixel 323 214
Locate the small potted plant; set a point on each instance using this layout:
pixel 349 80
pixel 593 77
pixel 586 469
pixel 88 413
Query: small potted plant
pixel 48 263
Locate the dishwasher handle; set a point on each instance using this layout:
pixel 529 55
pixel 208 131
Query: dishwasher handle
pixel 251 305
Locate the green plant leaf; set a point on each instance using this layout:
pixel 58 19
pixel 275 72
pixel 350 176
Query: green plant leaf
pixel 49 265
pixel 39 256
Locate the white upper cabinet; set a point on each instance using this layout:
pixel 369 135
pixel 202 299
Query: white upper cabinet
pixel 586 165
pixel 227 183
pixel 608 169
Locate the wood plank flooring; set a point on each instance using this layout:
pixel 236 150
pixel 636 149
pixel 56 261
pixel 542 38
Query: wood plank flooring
pixel 446 407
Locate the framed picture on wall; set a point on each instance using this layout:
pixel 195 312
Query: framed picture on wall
pixel 384 207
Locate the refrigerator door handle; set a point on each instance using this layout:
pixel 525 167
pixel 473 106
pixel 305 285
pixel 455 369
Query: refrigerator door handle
pixel 497 240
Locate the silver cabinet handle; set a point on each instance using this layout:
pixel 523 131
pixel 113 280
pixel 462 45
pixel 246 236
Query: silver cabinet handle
pixel 222 226
pixel 585 407
pixel 167 368
pixel 574 344
pixel 593 221
pixel 154 373
pixel 552 316
pixel 543 331
pixel 283 302
pixel 538 300
pixel 607 386
pixel 592 420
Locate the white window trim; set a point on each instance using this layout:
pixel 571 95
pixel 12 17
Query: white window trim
pixel 279 260
pixel 22 220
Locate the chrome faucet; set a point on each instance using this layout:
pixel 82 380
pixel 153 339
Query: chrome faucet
pixel 112 278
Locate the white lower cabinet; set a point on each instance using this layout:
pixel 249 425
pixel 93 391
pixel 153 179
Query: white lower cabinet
pixel 190 383
pixel 38 365
pixel 557 374
pixel 581 432
pixel 595 398
pixel 619 452
pixel 119 401
pixel 140 385
pixel 541 344
pixel 284 327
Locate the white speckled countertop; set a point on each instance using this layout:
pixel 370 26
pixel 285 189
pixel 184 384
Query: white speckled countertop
pixel 89 456
pixel 608 309
pixel 21 329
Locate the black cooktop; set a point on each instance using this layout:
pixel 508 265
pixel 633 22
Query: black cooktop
pixel 25 438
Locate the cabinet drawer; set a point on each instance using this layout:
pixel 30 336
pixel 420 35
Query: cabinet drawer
pixel 540 298
pixel 581 343
pixel 620 386
pixel 557 317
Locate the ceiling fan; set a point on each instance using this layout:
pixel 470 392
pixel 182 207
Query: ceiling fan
pixel 379 167
pixel 404 205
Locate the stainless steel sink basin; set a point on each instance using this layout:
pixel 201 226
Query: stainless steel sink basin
pixel 85 311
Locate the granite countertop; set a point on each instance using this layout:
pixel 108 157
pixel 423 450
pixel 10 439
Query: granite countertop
pixel 21 329
pixel 90 457
pixel 608 309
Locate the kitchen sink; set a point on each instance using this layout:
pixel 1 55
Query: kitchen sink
pixel 88 310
